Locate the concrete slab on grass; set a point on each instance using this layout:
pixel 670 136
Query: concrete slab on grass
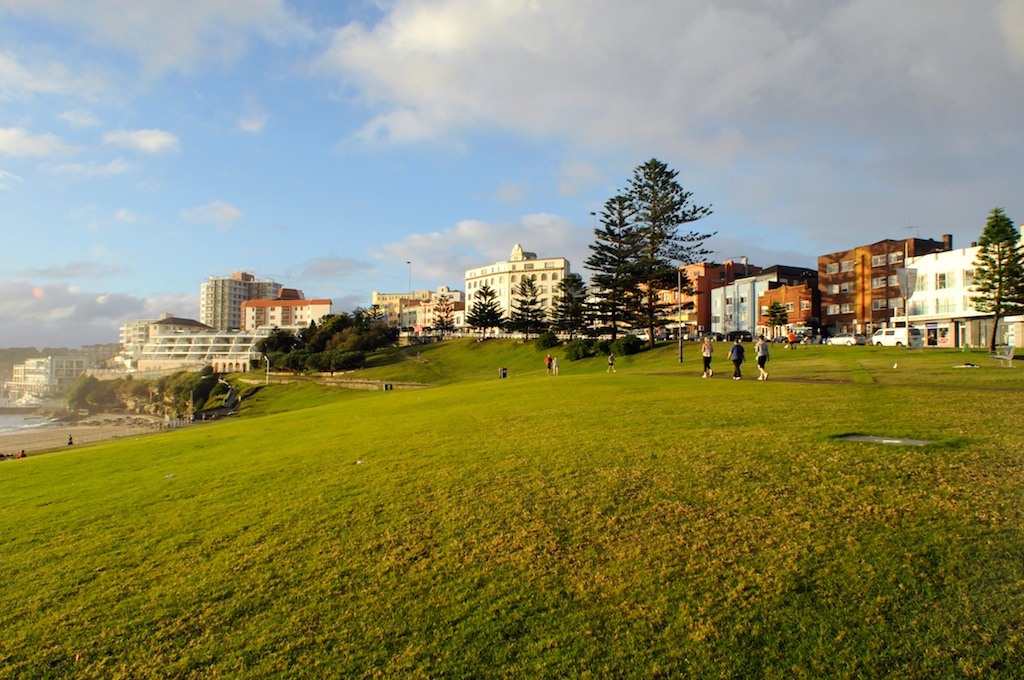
pixel 895 441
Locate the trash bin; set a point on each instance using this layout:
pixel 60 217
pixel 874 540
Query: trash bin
pixel 503 372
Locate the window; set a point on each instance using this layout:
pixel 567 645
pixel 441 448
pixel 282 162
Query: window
pixel 543 277
pixel 846 266
pixel 895 258
pixel 832 268
pixel 554 276
pixel 790 307
pixel 968 277
pixel 845 287
pixel 833 288
pixel 805 305
pixel 878 282
pixel 895 303
pixel 944 306
pixel 943 281
pixel 894 280
pixel 877 304
pixel 878 260
pixel 846 308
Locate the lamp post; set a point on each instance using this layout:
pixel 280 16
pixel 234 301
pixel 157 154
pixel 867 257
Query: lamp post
pixel 267 381
pixel 410 277
pixel 679 317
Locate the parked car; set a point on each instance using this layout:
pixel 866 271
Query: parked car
pixel 848 339
pixel 897 337
pixel 743 336
pixel 715 337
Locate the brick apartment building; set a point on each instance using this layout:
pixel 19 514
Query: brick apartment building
pixel 859 287
pixel 801 299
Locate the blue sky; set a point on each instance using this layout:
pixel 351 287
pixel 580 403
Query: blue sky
pixel 145 145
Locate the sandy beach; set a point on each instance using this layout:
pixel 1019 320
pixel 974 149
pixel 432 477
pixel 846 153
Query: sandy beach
pixel 85 431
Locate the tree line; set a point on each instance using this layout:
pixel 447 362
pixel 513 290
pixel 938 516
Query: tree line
pixel 637 252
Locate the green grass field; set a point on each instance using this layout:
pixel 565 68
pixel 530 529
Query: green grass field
pixel 643 524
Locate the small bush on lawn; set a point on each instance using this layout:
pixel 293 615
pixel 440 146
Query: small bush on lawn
pixel 627 344
pixel 546 340
pixel 578 349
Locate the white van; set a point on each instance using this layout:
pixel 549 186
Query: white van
pixel 897 337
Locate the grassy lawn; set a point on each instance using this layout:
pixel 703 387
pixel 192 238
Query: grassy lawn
pixel 642 524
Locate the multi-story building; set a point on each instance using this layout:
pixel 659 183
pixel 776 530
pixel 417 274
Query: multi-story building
pixel 221 298
pixel 391 303
pixel 504 278
pixel 941 307
pixel 45 376
pixel 860 287
pixel 802 302
pixel 402 309
pixel 287 310
pixel 734 306
pixel 419 315
pixel 225 351
pixel 692 311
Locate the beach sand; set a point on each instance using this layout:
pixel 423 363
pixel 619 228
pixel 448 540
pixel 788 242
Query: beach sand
pixel 85 431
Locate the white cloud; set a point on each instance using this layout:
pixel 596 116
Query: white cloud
pixel 252 123
pixel 182 35
pixel 146 141
pixel 445 255
pixel 126 216
pixel 117 166
pixel 7 179
pixel 19 142
pixel 18 79
pixel 79 118
pixel 34 314
pixel 217 214
pixel 691 77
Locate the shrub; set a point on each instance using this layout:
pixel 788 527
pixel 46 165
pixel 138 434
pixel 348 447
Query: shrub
pixel 578 349
pixel 603 346
pixel 627 344
pixel 546 340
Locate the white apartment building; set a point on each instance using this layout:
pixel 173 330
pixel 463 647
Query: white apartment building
pixel 504 278
pixel 45 376
pixel 734 305
pixel 941 303
pixel 225 351
pixel 394 304
pixel 221 298
pixel 283 313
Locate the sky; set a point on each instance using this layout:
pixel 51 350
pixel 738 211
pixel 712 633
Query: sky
pixel 146 146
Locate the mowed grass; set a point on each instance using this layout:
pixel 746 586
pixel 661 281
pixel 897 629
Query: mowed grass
pixel 642 524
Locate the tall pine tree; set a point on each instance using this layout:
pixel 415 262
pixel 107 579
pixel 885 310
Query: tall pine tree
pixel 485 312
pixel 528 314
pixel 999 271
pixel 660 207
pixel 570 310
pixel 614 254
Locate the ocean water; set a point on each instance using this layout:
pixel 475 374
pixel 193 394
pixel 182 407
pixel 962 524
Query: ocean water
pixel 13 423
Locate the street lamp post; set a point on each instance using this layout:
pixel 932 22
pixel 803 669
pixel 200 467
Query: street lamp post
pixel 679 317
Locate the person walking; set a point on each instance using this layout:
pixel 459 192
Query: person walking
pixel 611 362
pixel 554 366
pixel 761 350
pixel 706 350
pixel 736 356
pixel 547 364
pixel 791 338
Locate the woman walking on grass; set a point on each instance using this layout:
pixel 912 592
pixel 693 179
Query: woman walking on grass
pixel 736 356
pixel 761 350
pixel 706 350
